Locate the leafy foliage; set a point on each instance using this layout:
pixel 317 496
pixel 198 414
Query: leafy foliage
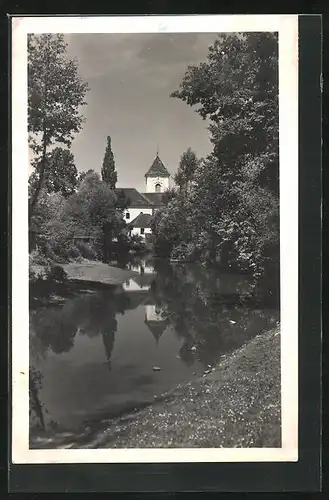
pixel 170 225
pixel 61 175
pixel 55 96
pixel 55 92
pixel 187 166
pixel 168 195
pixel 83 174
pixel 231 206
pixel 90 212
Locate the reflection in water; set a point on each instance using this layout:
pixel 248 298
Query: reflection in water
pixel 93 357
pixel 36 407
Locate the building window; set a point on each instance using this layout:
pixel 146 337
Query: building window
pixel 158 188
pixel 127 215
pixel 142 230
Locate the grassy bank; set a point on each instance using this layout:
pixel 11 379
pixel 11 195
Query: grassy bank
pixel 237 405
pixel 83 277
pixel 97 272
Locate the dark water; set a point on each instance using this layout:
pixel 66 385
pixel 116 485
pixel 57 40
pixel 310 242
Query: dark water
pixel 93 357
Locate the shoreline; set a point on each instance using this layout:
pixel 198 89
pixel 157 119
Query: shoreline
pixel 85 277
pixel 236 405
pixel 96 272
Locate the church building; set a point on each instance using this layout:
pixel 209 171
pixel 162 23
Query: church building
pixel 141 206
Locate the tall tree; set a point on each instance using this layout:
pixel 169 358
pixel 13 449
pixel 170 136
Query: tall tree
pixel 187 166
pixel 233 199
pixel 61 176
pixel 55 96
pixel 168 195
pixel 95 208
pixel 109 174
pixel 237 91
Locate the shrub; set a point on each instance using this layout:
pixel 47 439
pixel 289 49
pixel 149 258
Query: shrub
pixel 136 243
pixel 38 258
pixel 39 266
pixel 86 250
pixel 180 252
pixel 56 273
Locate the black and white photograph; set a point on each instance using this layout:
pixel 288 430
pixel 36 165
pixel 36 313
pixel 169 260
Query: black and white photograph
pixel 155 239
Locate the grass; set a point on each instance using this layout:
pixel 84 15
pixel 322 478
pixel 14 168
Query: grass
pixel 84 277
pixel 237 405
pixel 97 272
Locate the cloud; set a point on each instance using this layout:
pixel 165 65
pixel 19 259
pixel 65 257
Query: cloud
pixel 139 54
pixel 168 49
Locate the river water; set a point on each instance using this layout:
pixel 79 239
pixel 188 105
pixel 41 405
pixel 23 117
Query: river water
pixel 106 352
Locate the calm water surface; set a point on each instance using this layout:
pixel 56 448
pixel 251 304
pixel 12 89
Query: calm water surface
pixel 94 357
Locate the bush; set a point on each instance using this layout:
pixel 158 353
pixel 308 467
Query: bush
pixel 86 250
pixel 56 273
pixel 183 251
pixel 136 243
pixel 70 251
pixel 38 258
pixel 39 266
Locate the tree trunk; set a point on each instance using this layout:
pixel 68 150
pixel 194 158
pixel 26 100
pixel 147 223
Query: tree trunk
pixel 35 195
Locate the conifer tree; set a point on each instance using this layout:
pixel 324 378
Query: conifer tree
pixel 109 174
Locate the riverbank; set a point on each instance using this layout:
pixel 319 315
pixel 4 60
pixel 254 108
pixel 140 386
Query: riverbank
pixel 96 272
pixel 236 405
pixel 82 277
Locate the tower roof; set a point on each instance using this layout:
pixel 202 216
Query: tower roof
pixel 157 169
pixel 156 328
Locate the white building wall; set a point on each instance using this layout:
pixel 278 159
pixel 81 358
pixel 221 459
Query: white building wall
pixel 134 212
pixel 146 268
pixel 137 230
pixel 131 286
pixel 153 314
pixel 150 183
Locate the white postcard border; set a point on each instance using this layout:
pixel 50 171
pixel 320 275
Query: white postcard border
pixel 287 27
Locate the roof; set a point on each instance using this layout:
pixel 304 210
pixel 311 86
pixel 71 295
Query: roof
pixel 156 328
pixel 142 220
pixel 157 169
pixel 135 199
pixel 154 198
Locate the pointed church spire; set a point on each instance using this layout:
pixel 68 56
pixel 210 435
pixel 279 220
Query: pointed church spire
pixel 157 169
pixel 158 149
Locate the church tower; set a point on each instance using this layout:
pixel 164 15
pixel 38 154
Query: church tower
pixel 157 177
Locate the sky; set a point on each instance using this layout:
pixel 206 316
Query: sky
pixel 131 77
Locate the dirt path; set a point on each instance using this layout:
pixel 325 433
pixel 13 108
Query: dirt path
pixel 237 405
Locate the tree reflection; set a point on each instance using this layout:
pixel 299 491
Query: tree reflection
pixel 55 328
pixel 108 335
pixel 36 407
pixel 185 352
pixel 207 310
